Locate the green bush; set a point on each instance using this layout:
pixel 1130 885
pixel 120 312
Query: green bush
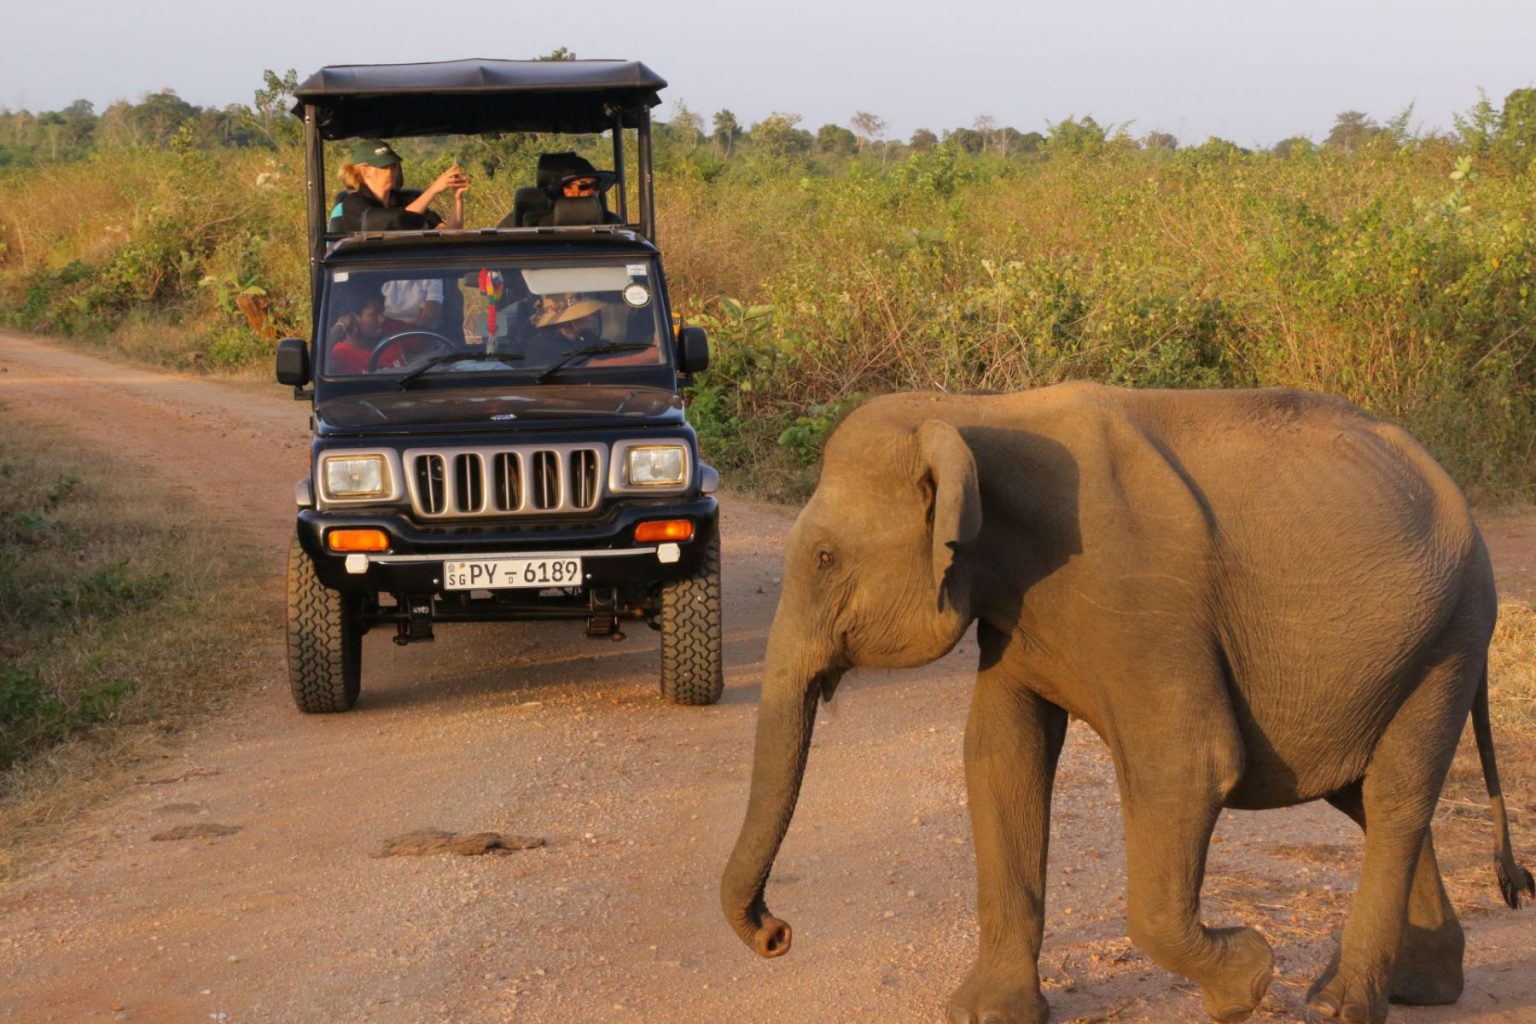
pixel 1399 275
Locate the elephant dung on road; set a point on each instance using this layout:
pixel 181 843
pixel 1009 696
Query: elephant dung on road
pixel 1255 598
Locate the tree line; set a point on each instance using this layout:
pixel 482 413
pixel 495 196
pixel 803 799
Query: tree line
pixel 159 120
pixel 163 120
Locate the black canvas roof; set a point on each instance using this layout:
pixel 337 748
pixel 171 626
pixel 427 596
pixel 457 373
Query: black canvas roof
pixel 472 96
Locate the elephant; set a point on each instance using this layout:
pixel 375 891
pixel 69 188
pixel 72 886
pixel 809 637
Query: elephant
pixel 1255 598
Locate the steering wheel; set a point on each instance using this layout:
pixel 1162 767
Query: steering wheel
pixel 438 342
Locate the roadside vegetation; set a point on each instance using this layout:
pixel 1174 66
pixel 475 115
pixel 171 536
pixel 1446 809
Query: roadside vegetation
pixel 119 626
pixel 1390 265
pixel 1512 669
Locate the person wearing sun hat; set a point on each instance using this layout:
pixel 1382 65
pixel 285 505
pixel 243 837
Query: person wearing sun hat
pixel 576 318
pixel 372 178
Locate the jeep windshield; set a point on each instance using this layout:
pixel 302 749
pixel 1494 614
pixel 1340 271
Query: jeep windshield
pixel 558 319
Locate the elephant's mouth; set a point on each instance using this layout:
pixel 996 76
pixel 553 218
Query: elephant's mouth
pixel 825 683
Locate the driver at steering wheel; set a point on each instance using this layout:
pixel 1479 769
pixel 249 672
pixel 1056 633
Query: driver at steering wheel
pixel 354 336
pixel 361 341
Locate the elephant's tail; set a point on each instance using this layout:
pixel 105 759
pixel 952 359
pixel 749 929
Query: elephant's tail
pixel 1513 879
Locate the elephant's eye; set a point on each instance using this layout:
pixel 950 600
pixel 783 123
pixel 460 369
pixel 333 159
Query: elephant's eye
pixel 824 559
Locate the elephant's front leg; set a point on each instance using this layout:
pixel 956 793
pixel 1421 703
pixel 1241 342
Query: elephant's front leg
pixel 1012 741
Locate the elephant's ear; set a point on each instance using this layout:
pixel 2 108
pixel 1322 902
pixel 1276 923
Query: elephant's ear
pixel 954 515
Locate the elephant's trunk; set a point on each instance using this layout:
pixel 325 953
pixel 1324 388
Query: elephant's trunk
pixel 785 718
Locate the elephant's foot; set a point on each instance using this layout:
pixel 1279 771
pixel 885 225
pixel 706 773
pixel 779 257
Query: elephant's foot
pixel 1428 967
pixel 1248 966
pixel 996 997
pixel 1352 1000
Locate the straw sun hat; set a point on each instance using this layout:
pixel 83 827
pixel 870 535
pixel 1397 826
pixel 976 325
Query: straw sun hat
pixel 563 309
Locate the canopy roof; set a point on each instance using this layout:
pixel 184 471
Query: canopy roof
pixel 468 97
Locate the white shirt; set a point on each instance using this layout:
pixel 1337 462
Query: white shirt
pixel 404 298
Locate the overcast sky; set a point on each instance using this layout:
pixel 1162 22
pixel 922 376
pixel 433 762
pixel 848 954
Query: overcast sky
pixel 1252 72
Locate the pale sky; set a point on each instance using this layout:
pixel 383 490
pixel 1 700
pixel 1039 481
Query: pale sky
pixel 1248 71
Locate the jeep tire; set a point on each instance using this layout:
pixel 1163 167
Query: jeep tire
pixel 325 641
pixel 691 671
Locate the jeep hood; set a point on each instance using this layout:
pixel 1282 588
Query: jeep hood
pixel 502 407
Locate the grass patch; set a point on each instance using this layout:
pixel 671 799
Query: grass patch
pixel 1512 669
pixel 121 622
pixel 1512 706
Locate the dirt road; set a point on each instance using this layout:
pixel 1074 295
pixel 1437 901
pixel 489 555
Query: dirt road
pixel 536 731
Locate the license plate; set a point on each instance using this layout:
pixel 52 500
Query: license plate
pixel 507 573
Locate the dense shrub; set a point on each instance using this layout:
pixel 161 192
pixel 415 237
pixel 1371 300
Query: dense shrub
pixel 1398 274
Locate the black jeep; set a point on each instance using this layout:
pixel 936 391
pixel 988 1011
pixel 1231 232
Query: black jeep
pixel 514 446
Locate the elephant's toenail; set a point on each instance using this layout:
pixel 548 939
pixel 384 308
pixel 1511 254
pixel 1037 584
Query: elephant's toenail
pixel 1325 1006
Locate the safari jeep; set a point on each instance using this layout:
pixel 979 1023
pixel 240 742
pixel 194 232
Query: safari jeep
pixel 520 451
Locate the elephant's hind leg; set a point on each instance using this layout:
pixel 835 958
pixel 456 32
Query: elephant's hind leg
pixel 1398 797
pixel 1428 968
pixel 1171 806
pixel 1012 741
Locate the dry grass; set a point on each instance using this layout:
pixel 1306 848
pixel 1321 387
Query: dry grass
pixel 1512 704
pixel 70 212
pixel 163 344
pixel 119 626
pixel 1512 669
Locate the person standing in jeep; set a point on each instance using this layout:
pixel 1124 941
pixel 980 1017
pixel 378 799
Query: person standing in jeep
pixel 373 181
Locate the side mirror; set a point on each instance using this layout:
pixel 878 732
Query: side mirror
pixel 692 350
pixel 293 362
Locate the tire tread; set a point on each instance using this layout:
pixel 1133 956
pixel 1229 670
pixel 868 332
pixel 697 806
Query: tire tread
pixel 324 646
pixel 692 672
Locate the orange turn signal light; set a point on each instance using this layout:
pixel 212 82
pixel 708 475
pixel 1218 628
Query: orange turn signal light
pixel 357 540
pixel 665 529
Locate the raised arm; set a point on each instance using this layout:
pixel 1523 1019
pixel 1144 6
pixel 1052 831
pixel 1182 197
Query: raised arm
pixel 453 178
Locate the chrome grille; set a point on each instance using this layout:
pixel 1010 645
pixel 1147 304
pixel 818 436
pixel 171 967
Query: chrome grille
pixel 462 483
pixel 509 481
pixel 468 483
pixel 546 480
pixel 584 477
pixel 428 491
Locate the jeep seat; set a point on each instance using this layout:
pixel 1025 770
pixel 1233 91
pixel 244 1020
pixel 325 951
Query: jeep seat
pixel 578 210
pixel 529 203
pixel 540 205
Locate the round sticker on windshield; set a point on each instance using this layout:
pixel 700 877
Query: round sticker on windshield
pixel 637 294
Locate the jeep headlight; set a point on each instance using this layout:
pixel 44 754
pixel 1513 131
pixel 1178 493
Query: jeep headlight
pixel 355 476
pixel 656 466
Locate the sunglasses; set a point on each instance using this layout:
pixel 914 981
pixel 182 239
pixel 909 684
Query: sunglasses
pixel 581 188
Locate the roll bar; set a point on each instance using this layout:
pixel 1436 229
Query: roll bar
pixel 474 97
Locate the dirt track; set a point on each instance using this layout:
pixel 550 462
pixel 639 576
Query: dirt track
pixel 536 731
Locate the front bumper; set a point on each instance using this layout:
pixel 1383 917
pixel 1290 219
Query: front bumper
pixel 413 565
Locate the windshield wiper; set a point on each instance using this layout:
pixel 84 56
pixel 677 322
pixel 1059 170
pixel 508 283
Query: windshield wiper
pixel 591 350
pixel 456 357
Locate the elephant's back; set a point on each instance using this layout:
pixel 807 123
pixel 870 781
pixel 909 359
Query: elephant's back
pixel 1331 555
pixel 1346 556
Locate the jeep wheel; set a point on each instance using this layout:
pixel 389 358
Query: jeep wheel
pixel 690 635
pixel 325 642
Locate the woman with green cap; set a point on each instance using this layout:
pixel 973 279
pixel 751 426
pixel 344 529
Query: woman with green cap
pixel 373 180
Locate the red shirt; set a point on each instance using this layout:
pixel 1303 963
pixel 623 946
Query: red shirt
pixel 350 356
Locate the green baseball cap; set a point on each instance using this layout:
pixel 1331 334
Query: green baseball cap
pixel 374 153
